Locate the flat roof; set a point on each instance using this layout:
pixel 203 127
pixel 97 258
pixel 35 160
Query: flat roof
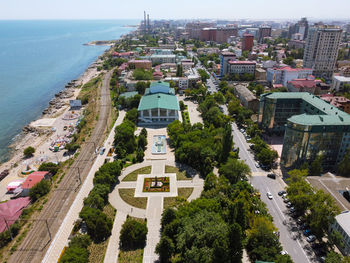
pixel 129 94
pixel 342 78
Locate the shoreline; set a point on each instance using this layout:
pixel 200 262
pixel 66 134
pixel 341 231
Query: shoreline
pixel 57 107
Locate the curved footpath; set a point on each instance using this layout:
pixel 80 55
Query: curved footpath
pixel 34 245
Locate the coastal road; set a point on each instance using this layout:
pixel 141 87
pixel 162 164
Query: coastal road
pixel 34 245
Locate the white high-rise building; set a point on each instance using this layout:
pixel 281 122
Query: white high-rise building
pixel 321 50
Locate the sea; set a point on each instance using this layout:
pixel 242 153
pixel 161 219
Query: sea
pixel 37 59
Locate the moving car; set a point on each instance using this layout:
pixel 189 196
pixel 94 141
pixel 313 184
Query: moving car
pixel 269 195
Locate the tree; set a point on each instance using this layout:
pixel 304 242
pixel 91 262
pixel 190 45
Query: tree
pixel 98 225
pixel 289 61
pixel 234 170
pixel 316 166
pixel 142 142
pixel 179 71
pixel 333 257
pixel 133 234
pixel 132 115
pixel 49 167
pixel 267 157
pixel 210 182
pixel 28 152
pixel 344 166
pixel 227 142
pixel 77 250
pixel 141 87
pixel 299 191
pixel 322 213
pixel 203 74
pixel 141 74
pixel 199 240
pixel 124 139
pixel 262 243
pixel 165 249
pixel 140 155
pixel 39 190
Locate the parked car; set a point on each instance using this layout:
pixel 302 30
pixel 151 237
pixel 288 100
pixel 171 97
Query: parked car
pixel 102 150
pixel 280 193
pixel 272 176
pixel 284 252
pixel 269 195
pixel 292 209
pixel 303 226
pixel 257 165
pixel 311 238
pixel 307 232
pixel 300 221
pixel 286 200
pixel 289 205
pixel 3 174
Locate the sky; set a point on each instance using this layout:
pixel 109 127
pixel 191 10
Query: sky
pixel 174 9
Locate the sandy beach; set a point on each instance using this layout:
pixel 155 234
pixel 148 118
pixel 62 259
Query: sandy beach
pixel 43 131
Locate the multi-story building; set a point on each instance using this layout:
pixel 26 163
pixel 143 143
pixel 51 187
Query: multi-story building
pixel 194 28
pixel 284 74
pixel 264 31
pixel 208 34
pixel 302 27
pixel 296 44
pixel 338 82
pixel 311 127
pixel 224 58
pixel 340 102
pixel 342 226
pixel 303 85
pixel 241 67
pixel 247 42
pixel 321 50
pixel 246 97
pixel 159 105
pixel 219 35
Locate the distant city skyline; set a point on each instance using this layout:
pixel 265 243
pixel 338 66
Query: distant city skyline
pixel 179 9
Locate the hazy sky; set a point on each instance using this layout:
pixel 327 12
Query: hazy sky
pixel 173 9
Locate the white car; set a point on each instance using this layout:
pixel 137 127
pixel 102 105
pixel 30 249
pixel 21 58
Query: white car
pixel 257 165
pixel 284 252
pixel 269 195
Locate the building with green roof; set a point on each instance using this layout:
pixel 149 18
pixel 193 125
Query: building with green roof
pixel 159 105
pixel 311 127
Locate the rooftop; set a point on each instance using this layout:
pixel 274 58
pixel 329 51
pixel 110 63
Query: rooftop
pixel 159 100
pixel 292 69
pixel 238 62
pixel 343 220
pixel 331 115
pixel 342 78
pixel 33 179
pixel 245 92
pixel 129 94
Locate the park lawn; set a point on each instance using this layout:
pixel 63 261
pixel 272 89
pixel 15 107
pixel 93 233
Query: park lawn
pixel 128 196
pixel 180 175
pixel 133 175
pixel 183 194
pixel 98 251
pixel 131 256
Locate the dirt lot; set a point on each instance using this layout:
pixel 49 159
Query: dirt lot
pixel 332 184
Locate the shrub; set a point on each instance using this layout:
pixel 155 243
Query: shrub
pixel 50 167
pixel 133 234
pixel 28 152
pixel 39 190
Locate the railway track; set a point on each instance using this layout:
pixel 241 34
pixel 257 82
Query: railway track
pixel 35 244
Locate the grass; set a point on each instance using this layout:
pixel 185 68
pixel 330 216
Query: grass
pixel 128 196
pixel 180 175
pixel 131 256
pixel 98 251
pixel 133 175
pixel 183 194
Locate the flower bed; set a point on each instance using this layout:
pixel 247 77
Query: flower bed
pixel 156 184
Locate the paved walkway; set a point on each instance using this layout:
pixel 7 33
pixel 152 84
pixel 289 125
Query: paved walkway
pixel 113 244
pixel 153 212
pixel 61 238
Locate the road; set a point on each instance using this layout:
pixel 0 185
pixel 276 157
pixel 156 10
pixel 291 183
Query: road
pixel 297 248
pixel 35 244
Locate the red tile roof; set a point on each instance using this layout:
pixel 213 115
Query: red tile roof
pixel 304 83
pixel 291 69
pixel 33 179
pixel 11 211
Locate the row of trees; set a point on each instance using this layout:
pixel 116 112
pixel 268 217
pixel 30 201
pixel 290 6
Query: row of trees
pixel 98 224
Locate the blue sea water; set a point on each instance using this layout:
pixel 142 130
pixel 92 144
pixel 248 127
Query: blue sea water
pixel 37 59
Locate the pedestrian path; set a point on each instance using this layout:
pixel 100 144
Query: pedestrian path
pixel 113 244
pixel 154 214
pixel 61 238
